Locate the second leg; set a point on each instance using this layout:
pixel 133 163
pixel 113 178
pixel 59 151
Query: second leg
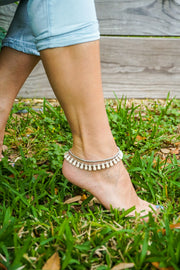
pixel 15 67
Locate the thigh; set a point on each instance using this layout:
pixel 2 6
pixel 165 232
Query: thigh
pixel 58 23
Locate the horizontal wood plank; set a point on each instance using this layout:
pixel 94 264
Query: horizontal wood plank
pixel 131 67
pixel 141 67
pixel 37 85
pixel 139 17
pixel 6 15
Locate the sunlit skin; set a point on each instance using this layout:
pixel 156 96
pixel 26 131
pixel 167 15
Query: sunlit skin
pixel 75 75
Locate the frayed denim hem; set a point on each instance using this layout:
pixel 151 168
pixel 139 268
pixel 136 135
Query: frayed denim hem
pixel 21 46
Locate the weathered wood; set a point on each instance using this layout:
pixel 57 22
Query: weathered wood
pixel 37 85
pixel 132 67
pixel 141 67
pixel 139 17
pixel 6 15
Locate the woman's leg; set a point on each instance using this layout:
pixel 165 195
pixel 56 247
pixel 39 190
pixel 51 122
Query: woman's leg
pixel 75 75
pixel 15 67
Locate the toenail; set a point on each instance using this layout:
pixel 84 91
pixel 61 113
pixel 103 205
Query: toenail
pixel 159 207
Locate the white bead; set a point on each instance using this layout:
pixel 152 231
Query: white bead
pixel 74 163
pixel 107 164
pixel 94 167
pixel 98 166
pixel 77 165
pixel 111 163
pixel 115 162
pixel 81 166
pixel 71 160
pixel 90 167
pixel 86 167
pixel 103 166
pixel 68 158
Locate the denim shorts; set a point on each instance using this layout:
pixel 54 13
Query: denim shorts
pixel 43 24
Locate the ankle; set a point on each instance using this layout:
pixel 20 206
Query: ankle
pixel 94 165
pixel 95 150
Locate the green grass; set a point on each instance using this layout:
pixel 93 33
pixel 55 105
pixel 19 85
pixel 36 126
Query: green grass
pixel 35 222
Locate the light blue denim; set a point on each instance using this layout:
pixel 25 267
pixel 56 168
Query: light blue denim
pixel 42 24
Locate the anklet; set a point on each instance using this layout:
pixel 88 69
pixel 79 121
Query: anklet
pixel 93 165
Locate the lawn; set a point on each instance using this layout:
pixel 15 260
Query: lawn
pixel 43 215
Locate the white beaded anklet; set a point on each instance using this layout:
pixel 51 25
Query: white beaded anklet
pixel 93 165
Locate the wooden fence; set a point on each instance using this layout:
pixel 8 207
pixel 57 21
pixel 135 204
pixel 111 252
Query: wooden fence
pixel 140 49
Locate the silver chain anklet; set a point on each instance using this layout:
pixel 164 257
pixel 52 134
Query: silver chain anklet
pixel 93 165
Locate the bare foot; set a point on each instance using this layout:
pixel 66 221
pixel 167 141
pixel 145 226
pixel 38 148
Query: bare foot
pixel 112 187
